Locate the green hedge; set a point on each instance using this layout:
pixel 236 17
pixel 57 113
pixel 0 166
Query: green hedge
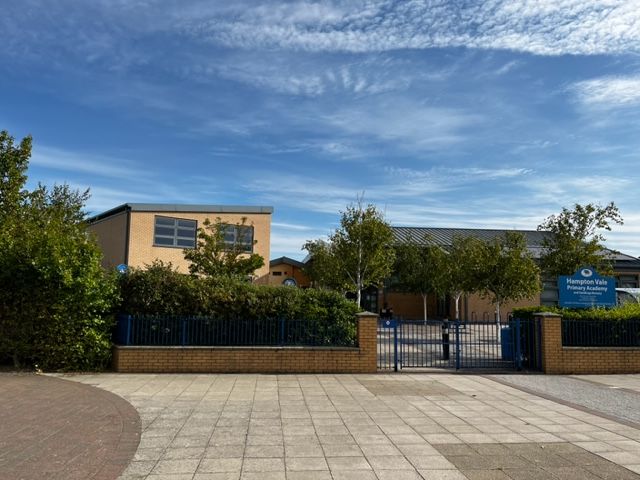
pixel 628 311
pixel 160 290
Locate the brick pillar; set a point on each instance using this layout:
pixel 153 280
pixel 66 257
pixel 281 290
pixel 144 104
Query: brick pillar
pixel 368 339
pixel 551 342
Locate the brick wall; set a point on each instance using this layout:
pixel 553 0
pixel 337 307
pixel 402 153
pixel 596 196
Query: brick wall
pixel 362 359
pixel 557 359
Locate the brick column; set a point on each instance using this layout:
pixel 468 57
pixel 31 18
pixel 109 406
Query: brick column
pixel 551 341
pixel 368 339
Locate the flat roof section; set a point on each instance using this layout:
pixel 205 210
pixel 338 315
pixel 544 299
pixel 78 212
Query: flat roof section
pixel 182 208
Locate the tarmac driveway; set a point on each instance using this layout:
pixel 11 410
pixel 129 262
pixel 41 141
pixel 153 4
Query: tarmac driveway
pixel 324 427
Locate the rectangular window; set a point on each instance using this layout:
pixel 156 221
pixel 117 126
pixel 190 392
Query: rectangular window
pixel 238 235
pixel 174 232
pixel 276 274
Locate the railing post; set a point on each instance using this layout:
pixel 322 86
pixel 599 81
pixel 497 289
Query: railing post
pixel 395 347
pixel 516 340
pixel 457 344
pixel 128 339
pixel 281 342
pixel 184 332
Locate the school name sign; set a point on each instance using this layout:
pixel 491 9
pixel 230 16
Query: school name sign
pixel 585 289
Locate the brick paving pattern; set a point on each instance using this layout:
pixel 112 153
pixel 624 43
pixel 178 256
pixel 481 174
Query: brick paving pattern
pixel 361 427
pixel 57 429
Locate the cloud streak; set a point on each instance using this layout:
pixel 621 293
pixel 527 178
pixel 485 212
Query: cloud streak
pixel 539 27
pixel 609 92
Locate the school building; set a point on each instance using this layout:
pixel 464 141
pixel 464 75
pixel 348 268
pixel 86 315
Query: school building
pixel 474 307
pixel 136 234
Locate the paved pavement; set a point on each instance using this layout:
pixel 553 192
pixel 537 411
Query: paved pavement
pixel 364 427
pixel 56 429
pixel 614 395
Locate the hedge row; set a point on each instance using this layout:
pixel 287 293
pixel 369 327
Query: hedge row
pixel 628 311
pixel 160 290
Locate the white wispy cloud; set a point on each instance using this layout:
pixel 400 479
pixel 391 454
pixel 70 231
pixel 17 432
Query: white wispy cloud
pixel 541 27
pixel 609 91
pixel 85 163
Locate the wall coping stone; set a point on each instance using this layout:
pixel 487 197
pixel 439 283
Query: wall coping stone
pixel 258 347
pixel 547 314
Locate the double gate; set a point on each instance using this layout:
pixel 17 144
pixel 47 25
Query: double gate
pixel 456 345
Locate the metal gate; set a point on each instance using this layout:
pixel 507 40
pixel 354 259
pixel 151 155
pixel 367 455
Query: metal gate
pixel 456 345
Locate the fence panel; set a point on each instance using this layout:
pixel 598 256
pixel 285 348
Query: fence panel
pixel 158 330
pixel 601 333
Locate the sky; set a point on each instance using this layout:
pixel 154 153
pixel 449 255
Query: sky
pixel 492 114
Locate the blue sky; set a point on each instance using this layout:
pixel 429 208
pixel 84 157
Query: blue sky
pixel 488 114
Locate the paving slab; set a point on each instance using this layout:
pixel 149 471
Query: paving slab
pixel 418 426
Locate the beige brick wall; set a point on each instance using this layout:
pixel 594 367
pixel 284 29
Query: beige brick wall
pixel 362 359
pixel 557 359
pixel 111 234
pixel 142 251
pixel 287 271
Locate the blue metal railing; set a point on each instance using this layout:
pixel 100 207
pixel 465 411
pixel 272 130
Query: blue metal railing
pixel 601 333
pixel 159 330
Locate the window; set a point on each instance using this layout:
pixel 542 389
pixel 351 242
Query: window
pixel 174 232
pixel 276 274
pixel 627 281
pixel 238 235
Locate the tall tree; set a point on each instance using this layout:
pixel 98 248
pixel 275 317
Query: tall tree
pixel 576 240
pixel 224 250
pixel 421 267
pixel 55 299
pixel 464 260
pixel 506 270
pixel 14 160
pixel 323 267
pixel 360 250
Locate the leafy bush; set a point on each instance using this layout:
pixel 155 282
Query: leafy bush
pixel 628 311
pixel 161 290
pixel 55 299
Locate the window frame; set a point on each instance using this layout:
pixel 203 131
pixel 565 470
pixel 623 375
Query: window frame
pixel 228 245
pixel 176 227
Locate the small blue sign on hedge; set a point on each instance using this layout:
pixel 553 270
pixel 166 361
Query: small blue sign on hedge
pixel 586 289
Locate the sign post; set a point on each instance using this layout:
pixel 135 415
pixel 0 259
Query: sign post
pixel 586 289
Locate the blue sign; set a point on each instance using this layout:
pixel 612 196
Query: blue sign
pixel 586 289
pixel 389 324
pixel 122 268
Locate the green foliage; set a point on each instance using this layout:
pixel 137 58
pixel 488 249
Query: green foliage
pixel 629 311
pixel 421 267
pixel 55 300
pixel 464 264
pixel 324 266
pixel 358 254
pixel 161 290
pixel 506 271
pixel 215 257
pixel 576 240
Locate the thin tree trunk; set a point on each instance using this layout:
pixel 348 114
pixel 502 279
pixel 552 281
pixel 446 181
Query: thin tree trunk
pixel 424 307
pixel 498 313
pixel 458 295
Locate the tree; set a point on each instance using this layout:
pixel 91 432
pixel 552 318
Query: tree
pixel 421 268
pixel 323 267
pixel 55 299
pixel 224 250
pixel 359 251
pixel 575 239
pixel 464 260
pixel 506 271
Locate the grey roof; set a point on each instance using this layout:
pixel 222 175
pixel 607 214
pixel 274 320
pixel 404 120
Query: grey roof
pixel 287 261
pixel 444 236
pixel 180 208
pixel 534 239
